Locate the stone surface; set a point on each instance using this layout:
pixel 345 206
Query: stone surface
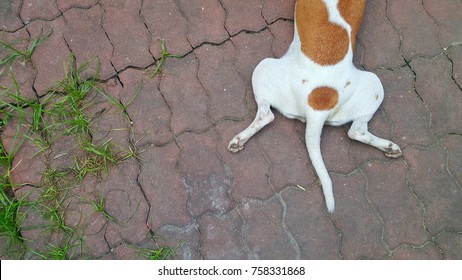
pixel 179 187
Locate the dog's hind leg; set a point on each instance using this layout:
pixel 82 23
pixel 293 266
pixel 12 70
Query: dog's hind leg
pixel 264 116
pixel 313 145
pixel 358 131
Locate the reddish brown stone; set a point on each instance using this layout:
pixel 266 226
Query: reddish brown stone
pixel 278 9
pixel 221 80
pixel 448 16
pixel 52 57
pixel 378 39
pixel 221 237
pixel 264 232
pixel 128 34
pixel 64 5
pixel 427 252
pixel 39 9
pixel 185 95
pixel 248 169
pixel 387 188
pixel 168 24
pixel 88 40
pixel 245 15
pixel 9 15
pixel 455 55
pixel 310 225
pixel 451 244
pixel 145 106
pixel 207 182
pixel 405 110
pixel 163 186
pixel 443 97
pixel 437 190
pixel 186 241
pixel 283 32
pixel 287 154
pixel 453 145
pixel 206 20
pixel 416 28
pixel 356 220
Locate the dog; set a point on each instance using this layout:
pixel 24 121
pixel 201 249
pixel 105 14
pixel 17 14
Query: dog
pixel 317 83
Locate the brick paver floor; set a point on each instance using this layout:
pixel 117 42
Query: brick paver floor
pixel 184 189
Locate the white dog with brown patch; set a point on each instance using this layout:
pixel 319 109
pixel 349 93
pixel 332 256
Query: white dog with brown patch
pixel 317 83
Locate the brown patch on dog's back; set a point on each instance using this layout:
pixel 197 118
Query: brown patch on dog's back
pixel 324 42
pixel 352 11
pixel 323 98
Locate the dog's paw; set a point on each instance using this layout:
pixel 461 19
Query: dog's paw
pixel 393 151
pixel 235 145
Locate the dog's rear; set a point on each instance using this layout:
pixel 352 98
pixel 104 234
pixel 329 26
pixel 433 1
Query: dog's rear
pixel 316 82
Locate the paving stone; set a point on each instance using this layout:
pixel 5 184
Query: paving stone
pixel 88 40
pixel 167 24
pixel 451 244
pixel 453 145
pixel 17 79
pixel 264 202
pixel 9 15
pixel 379 40
pixel 437 190
pixel 109 124
pixel 359 225
pixel 164 187
pixel 185 240
pixel 455 55
pixel 286 151
pixel 402 104
pixel 428 252
pixel 264 232
pixel 52 56
pixel 222 237
pixel 245 15
pixel 249 169
pixel 416 28
pixel 128 34
pixel 93 246
pixel 125 203
pixel 64 5
pixel 224 86
pixel 283 32
pixel 125 252
pixel 307 220
pixel 387 188
pixel 18 72
pixel 64 152
pixel 39 9
pixel 379 126
pixel 434 80
pixel 208 183
pixel 448 16
pixel 335 147
pixel 278 9
pixel 29 160
pixel 206 21
pixel 252 48
pixel 145 106
pixel 35 238
pixel 184 95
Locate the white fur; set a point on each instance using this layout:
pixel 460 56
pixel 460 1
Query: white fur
pixel 285 84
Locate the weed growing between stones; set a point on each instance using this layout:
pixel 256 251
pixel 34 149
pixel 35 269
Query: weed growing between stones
pixel 64 114
pixel 165 54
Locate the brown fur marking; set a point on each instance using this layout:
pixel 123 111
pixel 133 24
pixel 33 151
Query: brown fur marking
pixel 352 11
pixel 323 98
pixel 324 42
